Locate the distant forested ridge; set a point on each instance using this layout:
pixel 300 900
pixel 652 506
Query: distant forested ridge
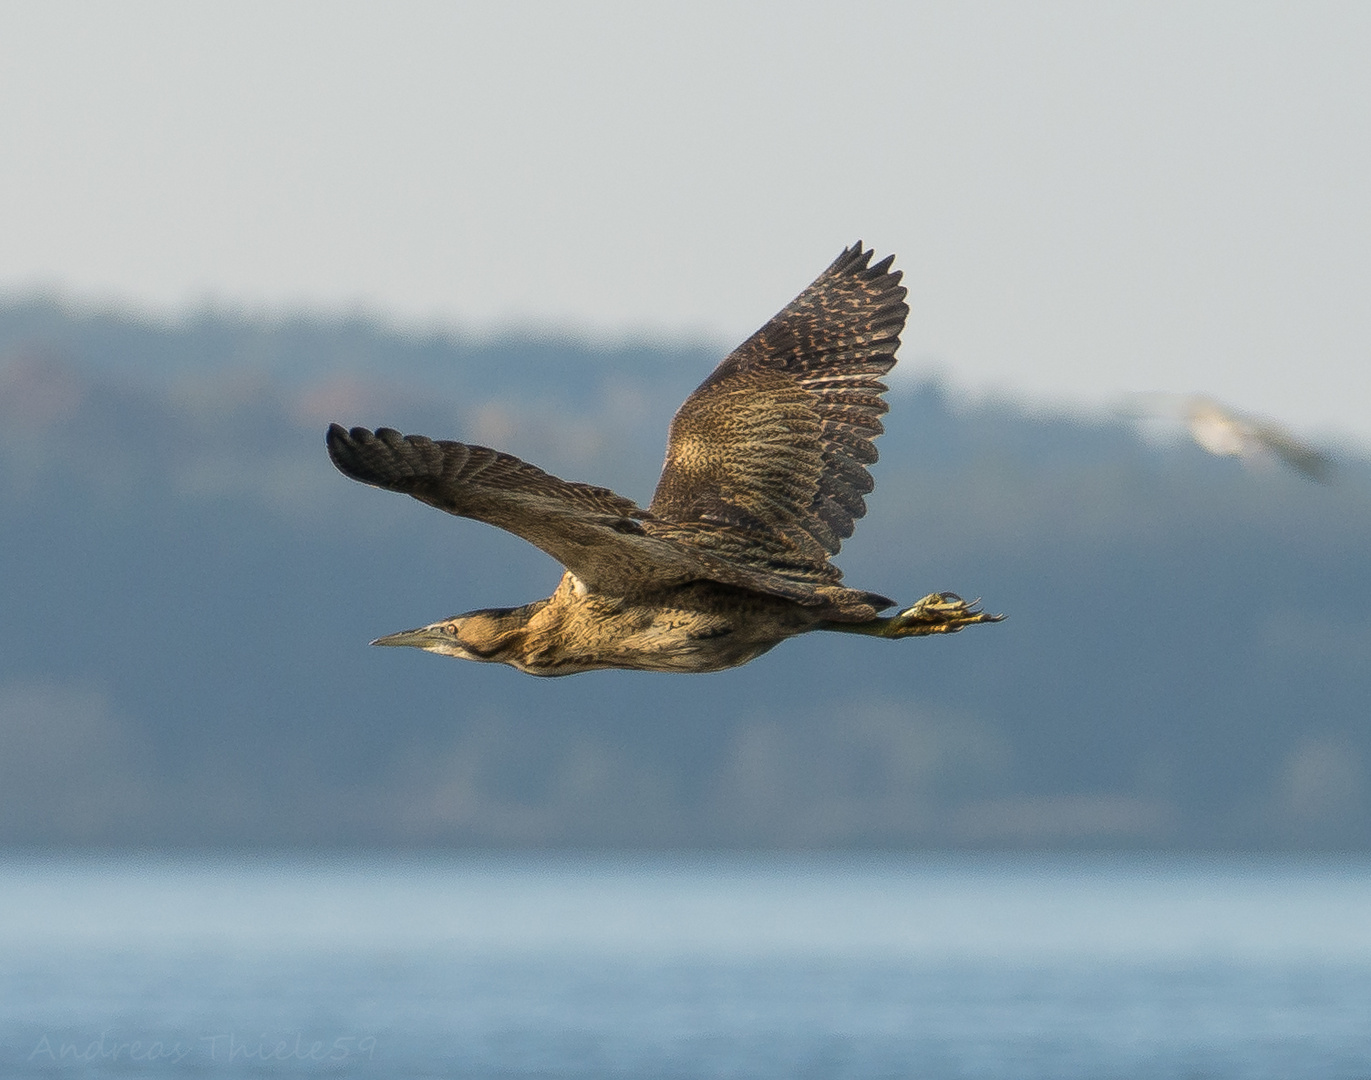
pixel 189 589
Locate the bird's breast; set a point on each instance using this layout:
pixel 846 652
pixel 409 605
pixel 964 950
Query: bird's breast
pixel 694 629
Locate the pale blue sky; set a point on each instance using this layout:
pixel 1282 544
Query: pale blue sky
pixel 1087 199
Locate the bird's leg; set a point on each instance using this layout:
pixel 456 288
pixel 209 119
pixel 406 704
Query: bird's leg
pixel 936 613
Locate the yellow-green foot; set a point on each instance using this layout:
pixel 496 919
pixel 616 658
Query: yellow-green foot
pixel 936 613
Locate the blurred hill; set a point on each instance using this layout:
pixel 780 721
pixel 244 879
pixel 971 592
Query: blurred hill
pixel 188 589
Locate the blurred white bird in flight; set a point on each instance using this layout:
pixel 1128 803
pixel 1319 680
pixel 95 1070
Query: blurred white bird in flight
pixel 1230 433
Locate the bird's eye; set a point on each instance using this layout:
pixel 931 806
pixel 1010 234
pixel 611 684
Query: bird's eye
pixel 450 629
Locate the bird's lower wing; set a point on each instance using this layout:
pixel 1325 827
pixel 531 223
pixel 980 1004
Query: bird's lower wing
pixel 597 535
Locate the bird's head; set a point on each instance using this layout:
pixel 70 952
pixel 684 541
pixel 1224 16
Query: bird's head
pixel 492 635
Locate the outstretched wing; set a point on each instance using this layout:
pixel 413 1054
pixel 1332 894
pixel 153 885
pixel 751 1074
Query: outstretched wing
pixel 596 534
pixel 766 461
pixel 1301 457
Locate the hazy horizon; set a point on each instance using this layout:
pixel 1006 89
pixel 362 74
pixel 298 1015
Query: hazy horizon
pixel 192 586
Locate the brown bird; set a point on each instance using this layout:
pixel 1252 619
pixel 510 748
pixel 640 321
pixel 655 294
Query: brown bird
pixel 765 474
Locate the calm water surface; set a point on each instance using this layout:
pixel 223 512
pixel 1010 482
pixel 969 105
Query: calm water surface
pixel 563 967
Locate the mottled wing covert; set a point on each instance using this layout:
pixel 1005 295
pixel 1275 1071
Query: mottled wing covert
pixel 766 461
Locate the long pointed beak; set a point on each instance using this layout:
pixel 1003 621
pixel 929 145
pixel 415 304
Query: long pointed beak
pixel 424 635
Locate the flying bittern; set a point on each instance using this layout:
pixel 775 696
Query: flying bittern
pixel 765 475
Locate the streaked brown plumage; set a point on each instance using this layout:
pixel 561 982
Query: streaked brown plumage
pixel 764 478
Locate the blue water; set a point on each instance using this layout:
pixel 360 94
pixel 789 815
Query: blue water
pixel 561 967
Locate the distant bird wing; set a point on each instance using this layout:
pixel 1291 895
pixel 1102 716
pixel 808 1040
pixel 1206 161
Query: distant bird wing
pixel 1299 456
pixel 597 535
pixel 766 460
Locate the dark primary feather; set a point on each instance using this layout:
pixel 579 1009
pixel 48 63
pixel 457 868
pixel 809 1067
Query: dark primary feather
pixel 569 521
pixel 766 461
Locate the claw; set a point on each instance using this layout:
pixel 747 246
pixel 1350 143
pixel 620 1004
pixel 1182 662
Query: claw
pixel 938 613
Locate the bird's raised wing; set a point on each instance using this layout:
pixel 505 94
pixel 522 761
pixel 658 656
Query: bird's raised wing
pixel 597 535
pixel 766 460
